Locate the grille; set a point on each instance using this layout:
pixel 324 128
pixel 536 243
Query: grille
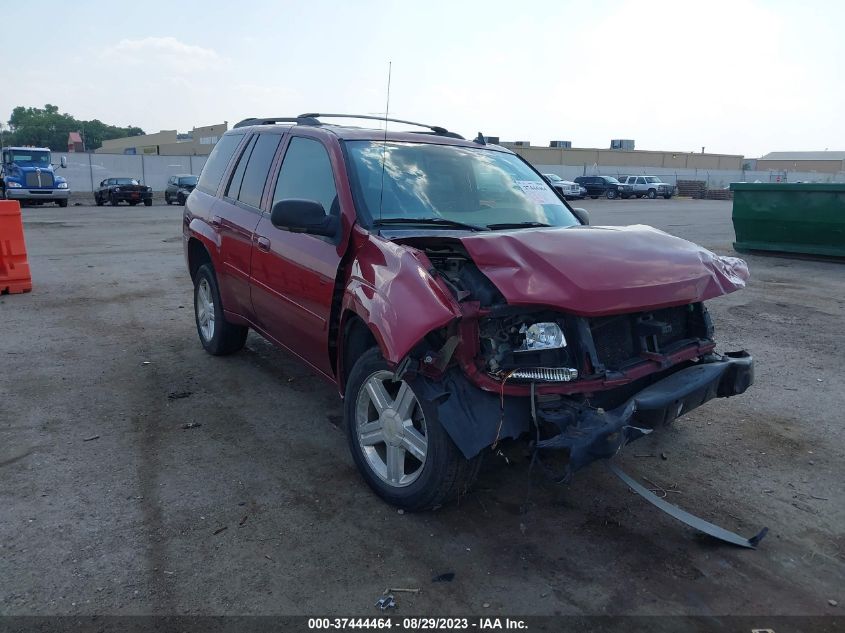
pixel 44 179
pixel 619 340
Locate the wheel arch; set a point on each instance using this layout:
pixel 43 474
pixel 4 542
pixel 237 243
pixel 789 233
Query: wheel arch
pixel 356 337
pixel 197 256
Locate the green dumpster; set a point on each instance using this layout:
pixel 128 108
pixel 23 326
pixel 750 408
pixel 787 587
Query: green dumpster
pixel 790 217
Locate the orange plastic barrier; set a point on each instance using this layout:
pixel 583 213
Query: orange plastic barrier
pixel 14 267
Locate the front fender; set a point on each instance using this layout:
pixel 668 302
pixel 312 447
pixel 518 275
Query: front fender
pixel 391 290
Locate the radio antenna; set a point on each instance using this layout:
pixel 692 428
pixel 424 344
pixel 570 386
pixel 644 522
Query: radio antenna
pixel 384 142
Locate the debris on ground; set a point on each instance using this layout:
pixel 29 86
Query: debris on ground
pixel 832 603
pixel 267 556
pixel 486 605
pixel 386 602
pixel 391 590
pixel 243 520
pixel 191 425
pixel 177 395
pixel 663 456
pixel 400 511
pixel 449 576
pixel 146 362
pixel 220 529
pixel 93 437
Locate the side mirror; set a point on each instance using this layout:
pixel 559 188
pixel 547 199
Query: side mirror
pixel 582 215
pixel 303 216
pixel 63 161
pixel 103 183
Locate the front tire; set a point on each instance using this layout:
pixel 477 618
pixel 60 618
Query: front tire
pixel 181 200
pixel 217 335
pixel 652 194
pixel 167 198
pixel 667 196
pixel 113 201
pixel 61 203
pixel 397 442
pixel 148 202
pixel 611 194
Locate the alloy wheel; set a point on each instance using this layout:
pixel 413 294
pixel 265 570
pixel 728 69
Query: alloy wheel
pixel 205 310
pixel 391 429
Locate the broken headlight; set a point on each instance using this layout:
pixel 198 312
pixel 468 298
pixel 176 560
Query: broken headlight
pixel 541 336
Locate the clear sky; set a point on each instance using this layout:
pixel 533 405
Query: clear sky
pixel 738 76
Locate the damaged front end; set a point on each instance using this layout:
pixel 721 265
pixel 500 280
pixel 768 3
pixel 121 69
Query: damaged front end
pixel 581 385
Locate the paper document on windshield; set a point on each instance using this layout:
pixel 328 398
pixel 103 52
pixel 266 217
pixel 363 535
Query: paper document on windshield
pixel 539 192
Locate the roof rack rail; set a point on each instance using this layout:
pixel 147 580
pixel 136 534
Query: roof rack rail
pixel 312 118
pixel 315 115
pixel 301 120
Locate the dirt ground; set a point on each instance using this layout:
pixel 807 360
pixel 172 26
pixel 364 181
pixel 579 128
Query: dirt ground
pixel 109 505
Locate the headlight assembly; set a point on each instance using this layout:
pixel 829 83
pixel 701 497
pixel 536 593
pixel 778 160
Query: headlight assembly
pixel 541 336
pixel 61 185
pixel 11 184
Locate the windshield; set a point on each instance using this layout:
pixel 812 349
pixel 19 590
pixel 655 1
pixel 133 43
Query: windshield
pixel 553 177
pixel 467 185
pixel 27 158
pixel 652 179
pixel 188 181
pixel 125 181
pixel 612 180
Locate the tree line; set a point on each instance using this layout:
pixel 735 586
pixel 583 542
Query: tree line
pixel 47 127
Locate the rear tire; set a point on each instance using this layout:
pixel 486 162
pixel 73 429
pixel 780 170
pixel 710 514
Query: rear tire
pixel 668 196
pixel 217 335
pixel 181 200
pixel 443 473
pixel 594 197
pixel 167 198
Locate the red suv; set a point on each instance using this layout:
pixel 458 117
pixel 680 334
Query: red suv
pixel 453 296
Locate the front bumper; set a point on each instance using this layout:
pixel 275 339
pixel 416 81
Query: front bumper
pixel 37 194
pixel 589 434
pixel 476 419
pixel 131 196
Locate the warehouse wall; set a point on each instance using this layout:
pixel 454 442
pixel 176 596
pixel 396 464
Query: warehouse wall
pixel 585 156
pixel 85 171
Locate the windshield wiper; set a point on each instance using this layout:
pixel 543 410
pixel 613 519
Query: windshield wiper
pixel 431 221
pixel 517 225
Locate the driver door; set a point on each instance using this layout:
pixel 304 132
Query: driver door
pixel 293 274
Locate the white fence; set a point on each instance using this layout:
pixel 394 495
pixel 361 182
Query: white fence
pixel 85 171
pixel 715 178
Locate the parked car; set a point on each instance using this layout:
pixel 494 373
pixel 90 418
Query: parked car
pixel 179 187
pixel 570 190
pixel 597 186
pixel 648 186
pixel 452 297
pixel 116 190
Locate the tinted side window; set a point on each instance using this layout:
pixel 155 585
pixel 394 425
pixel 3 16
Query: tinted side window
pixel 306 173
pixel 257 168
pixel 217 162
pixel 640 180
pixel 234 186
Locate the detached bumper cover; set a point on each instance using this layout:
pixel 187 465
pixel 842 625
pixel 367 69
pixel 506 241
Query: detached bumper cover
pixel 591 434
pixel 475 419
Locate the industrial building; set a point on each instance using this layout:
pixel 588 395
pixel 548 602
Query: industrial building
pixel 167 142
pixel 587 158
pixel 825 162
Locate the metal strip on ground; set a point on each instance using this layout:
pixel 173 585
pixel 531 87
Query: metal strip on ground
pixel 682 515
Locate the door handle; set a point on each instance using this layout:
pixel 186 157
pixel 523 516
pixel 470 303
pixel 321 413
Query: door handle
pixel 216 221
pixel 263 243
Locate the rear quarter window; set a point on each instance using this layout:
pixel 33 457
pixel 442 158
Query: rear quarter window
pixel 218 160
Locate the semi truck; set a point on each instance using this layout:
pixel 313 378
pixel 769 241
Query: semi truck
pixel 28 175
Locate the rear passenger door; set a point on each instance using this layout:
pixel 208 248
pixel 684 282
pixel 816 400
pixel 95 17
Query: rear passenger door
pixel 293 274
pixel 237 214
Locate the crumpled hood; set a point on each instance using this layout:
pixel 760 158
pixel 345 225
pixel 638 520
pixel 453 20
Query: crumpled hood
pixel 601 270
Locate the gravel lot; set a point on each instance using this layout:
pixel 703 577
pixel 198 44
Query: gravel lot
pixel 109 505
